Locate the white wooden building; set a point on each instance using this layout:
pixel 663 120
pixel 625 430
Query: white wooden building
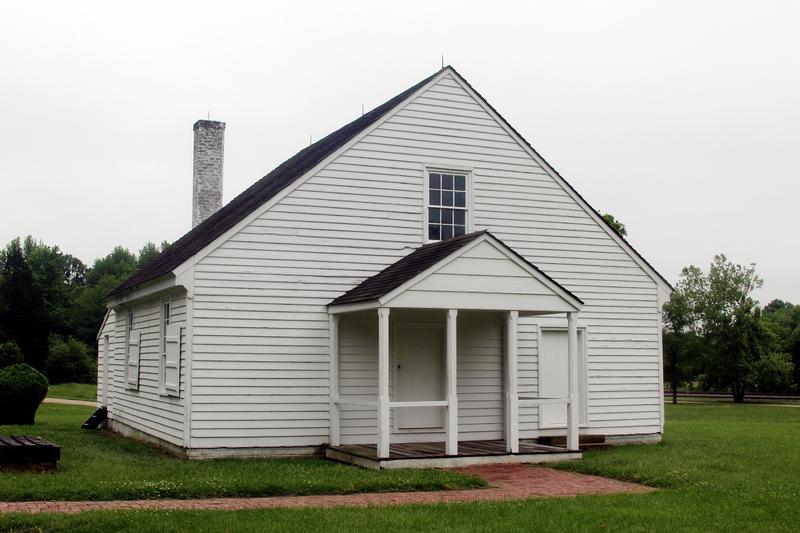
pixel 421 275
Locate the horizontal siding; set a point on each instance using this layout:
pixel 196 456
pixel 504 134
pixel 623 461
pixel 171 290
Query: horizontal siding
pixel 260 296
pixel 107 331
pixel 146 409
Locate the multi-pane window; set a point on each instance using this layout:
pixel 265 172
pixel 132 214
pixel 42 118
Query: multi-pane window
pixel 447 205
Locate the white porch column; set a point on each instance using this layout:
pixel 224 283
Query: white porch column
pixel 511 379
pixel 572 407
pixel 451 446
pixel 333 338
pixel 383 383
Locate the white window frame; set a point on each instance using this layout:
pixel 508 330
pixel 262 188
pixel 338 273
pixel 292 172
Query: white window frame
pixel 163 322
pixel 469 173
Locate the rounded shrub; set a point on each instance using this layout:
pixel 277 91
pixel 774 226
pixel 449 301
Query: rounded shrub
pixel 10 354
pixel 22 389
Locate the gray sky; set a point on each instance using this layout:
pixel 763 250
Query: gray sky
pixel 680 118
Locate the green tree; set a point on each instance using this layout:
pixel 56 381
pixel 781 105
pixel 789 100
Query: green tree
pixel 57 275
pixel 773 373
pixel 149 251
pixel 70 361
pixel 615 224
pixel 25 319
pixel 120 263
pixel 729 319
pixel 89 301
pixel 679 319
pixel 89 308
pixel 782 319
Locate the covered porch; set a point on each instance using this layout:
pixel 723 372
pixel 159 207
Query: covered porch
pixel 440 395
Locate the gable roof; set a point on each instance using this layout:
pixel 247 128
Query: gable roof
pixel 294 168
pixel 417 262
pixel 260 192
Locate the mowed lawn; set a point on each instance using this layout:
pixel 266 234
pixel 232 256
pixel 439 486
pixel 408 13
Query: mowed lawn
pixel 720 468
pixel 73 391
pixel 97 465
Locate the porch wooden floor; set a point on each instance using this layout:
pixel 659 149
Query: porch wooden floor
pixel 420 453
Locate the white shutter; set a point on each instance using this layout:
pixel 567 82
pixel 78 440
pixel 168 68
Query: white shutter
pixel 134 349
pixel 172 361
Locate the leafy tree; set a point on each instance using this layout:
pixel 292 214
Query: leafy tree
pixel 680 318
pixel 730 320
pixel 89 308
pixel 773 373
pixel 150 251
pixel 615 224
pixel 70 361
pixel 25 319
pixel 89 302
pixel 120 263
pixel 776 305
pixel 57 275
pixel 782 319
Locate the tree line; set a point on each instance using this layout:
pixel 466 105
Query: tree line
pixel 717 337
pixel 51 304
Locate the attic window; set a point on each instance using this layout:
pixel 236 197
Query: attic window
pixel 447 205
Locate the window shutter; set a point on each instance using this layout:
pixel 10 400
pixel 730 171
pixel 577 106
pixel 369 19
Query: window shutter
pixel 172 361
pixel 134 349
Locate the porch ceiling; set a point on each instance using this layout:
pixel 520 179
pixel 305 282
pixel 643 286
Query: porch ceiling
pixel 473 271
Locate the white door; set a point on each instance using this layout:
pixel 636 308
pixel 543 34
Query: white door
pixel 554 375
pixel 419 365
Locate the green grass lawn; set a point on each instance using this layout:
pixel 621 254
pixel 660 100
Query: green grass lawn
pixel 720 468
pixel 97 465
pixel 73 391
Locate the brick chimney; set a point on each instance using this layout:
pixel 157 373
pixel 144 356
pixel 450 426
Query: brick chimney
pixel 209 147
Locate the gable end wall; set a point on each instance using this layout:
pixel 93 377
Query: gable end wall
pixel 260 351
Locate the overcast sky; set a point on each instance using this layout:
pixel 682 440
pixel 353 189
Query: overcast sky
pixel 680 118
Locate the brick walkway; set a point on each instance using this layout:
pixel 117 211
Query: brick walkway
pixel 508 482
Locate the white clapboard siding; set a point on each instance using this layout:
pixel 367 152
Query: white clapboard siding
pixel 106 348
pixel 147 409
pixel 260 296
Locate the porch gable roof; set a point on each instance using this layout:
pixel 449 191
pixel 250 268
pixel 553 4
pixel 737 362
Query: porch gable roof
pixel 515 278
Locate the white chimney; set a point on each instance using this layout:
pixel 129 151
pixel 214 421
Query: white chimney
pixel 209 148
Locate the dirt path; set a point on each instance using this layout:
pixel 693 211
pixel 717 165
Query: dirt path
pixel 64 401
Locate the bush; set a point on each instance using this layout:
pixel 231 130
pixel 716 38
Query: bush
pixel 773 373
pixel 10 354
pixel 22 389
pixel 69 361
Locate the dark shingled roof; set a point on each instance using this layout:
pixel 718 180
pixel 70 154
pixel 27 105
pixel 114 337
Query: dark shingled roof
pixel 257 194
pixel 417 262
